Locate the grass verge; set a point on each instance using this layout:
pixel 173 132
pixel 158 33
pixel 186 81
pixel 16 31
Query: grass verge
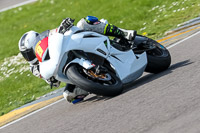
pixel 148 17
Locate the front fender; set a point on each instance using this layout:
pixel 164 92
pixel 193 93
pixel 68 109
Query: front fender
pixel 82 62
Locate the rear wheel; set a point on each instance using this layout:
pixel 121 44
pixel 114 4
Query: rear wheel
pixel 158 59
pixel 106 84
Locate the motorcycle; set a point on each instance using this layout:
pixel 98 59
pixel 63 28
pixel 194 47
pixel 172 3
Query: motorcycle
pixel 96 63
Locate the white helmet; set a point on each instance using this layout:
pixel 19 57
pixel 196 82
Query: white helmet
pixel 26 46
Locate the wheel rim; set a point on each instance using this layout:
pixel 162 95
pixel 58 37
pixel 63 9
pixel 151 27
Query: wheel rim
pixel 103 78
pixel 157 51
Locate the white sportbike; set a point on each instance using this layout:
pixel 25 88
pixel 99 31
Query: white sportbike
pixel 97 64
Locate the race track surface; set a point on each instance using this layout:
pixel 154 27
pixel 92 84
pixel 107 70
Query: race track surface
pixel 9 4
pixel 168 102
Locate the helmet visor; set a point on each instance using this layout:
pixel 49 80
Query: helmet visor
pixel 28 54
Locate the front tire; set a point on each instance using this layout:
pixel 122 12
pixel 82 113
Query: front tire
pixel 79 77
pixel 158 59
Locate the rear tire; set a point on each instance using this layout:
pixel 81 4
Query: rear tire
pixel 158 59
pixel 76 75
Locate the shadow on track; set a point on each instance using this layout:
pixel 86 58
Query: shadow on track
pixel 148 77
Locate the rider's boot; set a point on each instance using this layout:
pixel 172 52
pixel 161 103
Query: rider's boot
pixel 125 35
pixel 73 94
pixel 129 34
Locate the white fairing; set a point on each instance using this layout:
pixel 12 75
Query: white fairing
pixel 127 65
pixel 48 67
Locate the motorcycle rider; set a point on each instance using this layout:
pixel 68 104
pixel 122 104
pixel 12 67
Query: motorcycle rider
pixel 90 23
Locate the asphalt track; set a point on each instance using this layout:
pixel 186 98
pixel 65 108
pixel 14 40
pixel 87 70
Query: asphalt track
pixel 9 4
pixel 168 102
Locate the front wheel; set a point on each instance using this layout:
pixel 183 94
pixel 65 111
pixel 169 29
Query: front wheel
pixel 106 84
pixel 158 59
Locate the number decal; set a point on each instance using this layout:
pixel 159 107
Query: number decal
pixel 38 49
pixel 41 48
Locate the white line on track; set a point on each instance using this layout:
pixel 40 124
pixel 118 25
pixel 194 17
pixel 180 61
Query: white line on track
pixel 183 40
pixel 31 113
pixel 63 98
pixel 17 5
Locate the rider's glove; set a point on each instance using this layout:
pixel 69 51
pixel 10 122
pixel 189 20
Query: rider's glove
pixel 53 82
pixel 65 25
pixel 35 70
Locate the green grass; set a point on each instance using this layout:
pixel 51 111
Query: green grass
pixel 151 16
pixel 17 94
